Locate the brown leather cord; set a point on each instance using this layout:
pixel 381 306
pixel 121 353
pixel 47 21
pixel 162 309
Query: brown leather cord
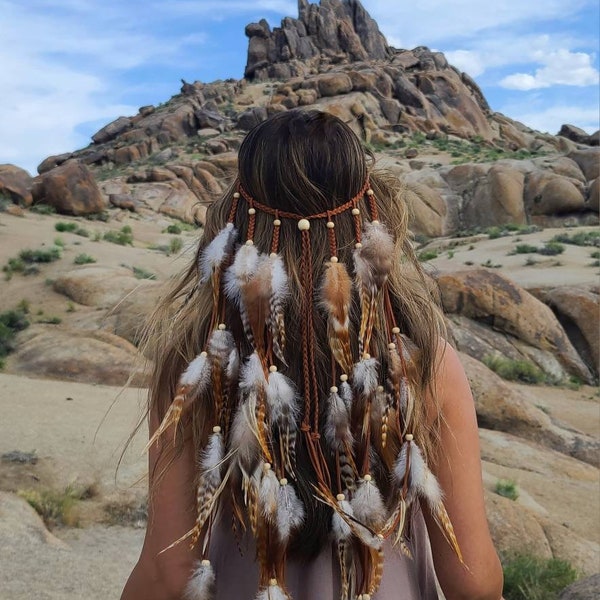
pixel 276 234
pixel 233 211
pixel 251 220
pixel 338 210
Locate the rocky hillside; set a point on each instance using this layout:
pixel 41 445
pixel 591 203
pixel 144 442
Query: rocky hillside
pixel 489 200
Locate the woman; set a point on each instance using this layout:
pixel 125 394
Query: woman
pixel 313 436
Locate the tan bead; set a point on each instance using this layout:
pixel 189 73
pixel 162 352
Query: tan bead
pixel 380 388
pixel 277 222
pixel 366 356
pixel 358 245
pixel 283 481
pixel 392 346
pixel 272 582
pixel 409 437
pixel 375 222
pixel 237 195
pixel 303 224
pixel 249 242
pixel 267 466
pixel 330 225
pixel 370 192
pixel 273 255
pixel 203 354
pixel 216 429
pixel 344 378
pixel 340 497
pixel 222 327
pixel 334 259
pixel 251 211
pixel 272 369
pixel 367 477
pixel 355 212
pixel 205 563
pixel 366 597
pixel 396 330
pixel 333 389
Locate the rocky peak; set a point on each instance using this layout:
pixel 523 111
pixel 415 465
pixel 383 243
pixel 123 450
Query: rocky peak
pixel 333 31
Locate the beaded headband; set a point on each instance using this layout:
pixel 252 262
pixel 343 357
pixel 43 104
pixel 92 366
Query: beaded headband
pixel 261 416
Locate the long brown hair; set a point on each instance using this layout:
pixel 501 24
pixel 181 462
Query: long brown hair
pixel 304 162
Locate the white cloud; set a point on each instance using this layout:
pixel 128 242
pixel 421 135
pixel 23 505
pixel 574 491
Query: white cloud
pixel 551 119
pixel 560 68
pixel 468 61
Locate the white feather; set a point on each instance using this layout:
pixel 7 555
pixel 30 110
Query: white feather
pixel 339 527
pixel 400 464
pixel 243 268
pixel 376 235
pixel 273 592
pixel 337 425
pixel 365 376
pixel 368 505
pixel 233 365
pixel 422 479
pixel 346 394
pixel 279 277
pixel 201 586
pixel 212 457
pixel 253 374
pixel 197 373
pixel 290 512
pixel 281 397
pixel 220 345
pixel 215 253
pixel 243 438
pixel 268 494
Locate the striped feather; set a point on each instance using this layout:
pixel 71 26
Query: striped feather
pixel 280 292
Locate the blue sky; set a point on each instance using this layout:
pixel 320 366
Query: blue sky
pixel 68 67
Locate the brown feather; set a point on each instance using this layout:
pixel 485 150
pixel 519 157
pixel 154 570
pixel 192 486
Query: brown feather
pixel 336 298
pixel 256 299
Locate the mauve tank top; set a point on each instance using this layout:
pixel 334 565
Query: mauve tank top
pixel 403 578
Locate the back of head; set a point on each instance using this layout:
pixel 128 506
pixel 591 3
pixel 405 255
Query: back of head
pixel 301 346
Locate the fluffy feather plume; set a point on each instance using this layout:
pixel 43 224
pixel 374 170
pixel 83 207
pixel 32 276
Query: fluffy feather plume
pixel 192 383
pixel 280 292
pixel 272 592
pixel 407 403
pixel 336 299
pixel 282 400
pixel 268 493
pixel 214 255
pixel 337 424
pixel 290 511
pixel 346 394
pixel 367 504
pixel 201 586
pixel 340 524
pixel 365 376
pixel 373 260
pixel 244 438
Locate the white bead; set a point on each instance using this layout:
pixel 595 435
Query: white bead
pixel 392 346
pixel 249 243
pixel 251 211
pixel 396 330
pixel 355 212
pixel 229 225
pixel 273 369
pixel 267 466
pixel 277 223
pixel 367 477
pixel 216 429
pixel 375 222
pixel 283 481
pixel 409 437
pixel 358 245
pixel 236 195
pixel 380 388
pixel 330 224
pixel 303 224
pixel 340 497
pixel 273 255
pixel 222 327
pixel 273 582
pixel 205 563
pixel 366 356
pixel 203 354
pixel 333 389
pixel 344 378
pixel 334 259
pixel 370 193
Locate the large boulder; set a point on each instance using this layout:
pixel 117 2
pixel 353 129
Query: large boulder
pixel 77 355
pixel 71 189
pixel 584 589
pixel 588 161
pixel 15 184
pixel 488 297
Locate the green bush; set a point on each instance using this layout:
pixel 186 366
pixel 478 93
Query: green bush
pixel 56 507
pixel 507 488
pixel 551 248
pixel 581 238
pixel 528 577
pixel 515 370
pixel 84 259
pixel 43 209
pixel 525 249
pixel 62 227
pixel 175 246
pixel 141 273
pixel 123 237
pixel 43 255
pixel 11 322
pixel 174 229
pixel 427 255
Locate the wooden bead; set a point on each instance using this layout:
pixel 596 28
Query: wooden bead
pixel 392 346
pixel 370 192
pixel 344 378
pixel 330 224
pixel 251 211
pixel 222 327
pixel 303 224
pixel 375 222
pixel 283 481
pixel 358 245
pixel 229 225
pixel 237 195
pixel 340 497
pixel 272 582
pixel 203 354
pixel 205 563
pixel 355 212
pixel 396 330
pixel 367 477
pixel 273 255
pixel 272 369
pixel 216 429
pixel 249 243
pixel 333 389
pixel 409 437
pixel 334 259
pixel 277 222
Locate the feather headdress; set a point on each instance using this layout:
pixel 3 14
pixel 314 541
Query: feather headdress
pixel 262 415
